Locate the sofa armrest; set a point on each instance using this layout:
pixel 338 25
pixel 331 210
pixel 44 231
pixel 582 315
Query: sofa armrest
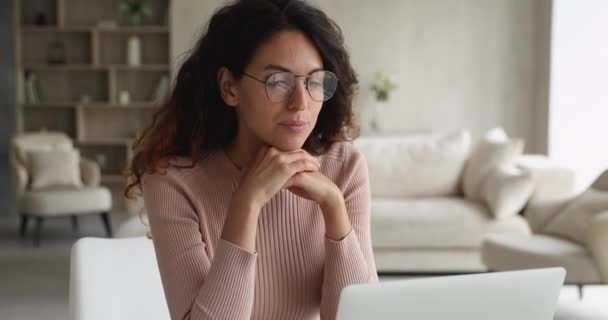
pixel 597 243
pixel 554 185
pixel 90 172
pixel 506 189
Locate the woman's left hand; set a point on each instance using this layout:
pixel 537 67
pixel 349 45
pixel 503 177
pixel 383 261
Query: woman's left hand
pixel 314 186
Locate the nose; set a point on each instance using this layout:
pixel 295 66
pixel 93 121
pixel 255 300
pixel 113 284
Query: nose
pixel 299 98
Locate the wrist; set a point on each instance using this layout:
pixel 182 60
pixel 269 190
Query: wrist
pixel 245 204
pixel 333 201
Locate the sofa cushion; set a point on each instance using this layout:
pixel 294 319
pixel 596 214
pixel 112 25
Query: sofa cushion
pixel 494 149
pixel 506 190
pixel 57 202
pixel 416 165
pixel 442 222
pixel 504 253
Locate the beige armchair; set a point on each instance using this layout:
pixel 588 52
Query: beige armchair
pixel 569 230
pixel 49 202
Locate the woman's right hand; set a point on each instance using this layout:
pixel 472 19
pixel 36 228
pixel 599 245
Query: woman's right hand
pixel 268 173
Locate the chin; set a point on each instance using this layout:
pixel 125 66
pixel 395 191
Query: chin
pixel 288 145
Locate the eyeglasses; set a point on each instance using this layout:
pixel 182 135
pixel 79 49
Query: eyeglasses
pixel 321 85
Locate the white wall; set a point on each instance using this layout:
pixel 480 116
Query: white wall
pixel 578 100
pixel 460 64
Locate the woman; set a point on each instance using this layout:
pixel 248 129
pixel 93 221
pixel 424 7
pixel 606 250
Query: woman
pixel 258 206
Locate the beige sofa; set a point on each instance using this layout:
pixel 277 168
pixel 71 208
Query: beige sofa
pixel 569 230
pixel 426 217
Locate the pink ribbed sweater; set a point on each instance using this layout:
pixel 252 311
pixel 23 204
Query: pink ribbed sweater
pixel 295 272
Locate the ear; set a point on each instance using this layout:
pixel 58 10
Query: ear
pixel 228 87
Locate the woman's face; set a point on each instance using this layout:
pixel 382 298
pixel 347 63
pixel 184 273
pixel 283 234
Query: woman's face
pixel 260 119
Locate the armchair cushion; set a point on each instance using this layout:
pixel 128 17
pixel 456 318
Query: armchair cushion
pixel 574 219
pixel 56 202
pixel 506 190
pixel 54 168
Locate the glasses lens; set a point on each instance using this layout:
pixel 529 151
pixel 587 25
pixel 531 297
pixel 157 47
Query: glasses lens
pixel 322 85
pixel 280 86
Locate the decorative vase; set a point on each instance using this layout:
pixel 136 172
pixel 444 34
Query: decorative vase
pixel 378 109
pixel 134 51
pixel 124 98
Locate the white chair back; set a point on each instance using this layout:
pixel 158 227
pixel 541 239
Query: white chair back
pixel 39 141
pixel 115 279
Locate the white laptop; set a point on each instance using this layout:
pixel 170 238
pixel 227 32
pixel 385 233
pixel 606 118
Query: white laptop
pixel 522 295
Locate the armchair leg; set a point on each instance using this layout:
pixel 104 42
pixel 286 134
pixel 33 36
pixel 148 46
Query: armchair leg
pixel 580 291
pixel 74 219
pixel 23 225
pixel 37 231
pixel 105 217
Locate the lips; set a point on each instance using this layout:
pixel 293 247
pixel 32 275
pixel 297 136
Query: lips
pixel 294 123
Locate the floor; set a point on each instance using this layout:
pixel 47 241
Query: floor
pixel 39 276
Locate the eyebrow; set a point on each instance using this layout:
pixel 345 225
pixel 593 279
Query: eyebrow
pixel 281 68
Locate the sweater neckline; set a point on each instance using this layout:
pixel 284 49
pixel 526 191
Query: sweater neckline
pixel 229 164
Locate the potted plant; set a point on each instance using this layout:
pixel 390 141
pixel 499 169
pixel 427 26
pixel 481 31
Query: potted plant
pixel 134 12
pixel 382 86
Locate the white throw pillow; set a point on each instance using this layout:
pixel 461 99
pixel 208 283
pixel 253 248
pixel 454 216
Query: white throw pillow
pixel 495 149
pixel 506 190
pixel 573 220
pixel 415 165
pixel 54 168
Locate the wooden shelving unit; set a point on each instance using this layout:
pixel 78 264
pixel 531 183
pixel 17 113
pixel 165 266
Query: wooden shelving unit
pixel 95 65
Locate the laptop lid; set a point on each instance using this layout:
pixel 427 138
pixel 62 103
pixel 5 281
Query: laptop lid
pixel 526 294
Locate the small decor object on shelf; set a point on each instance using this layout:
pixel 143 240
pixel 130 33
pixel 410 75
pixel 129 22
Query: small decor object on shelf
pixel 134 51
pixel 56 52
pixel 382 87
pixel 85 99
pixel 162 89
pixel 124 98
pixel 134 12
pixel 41 19
pixel 31 93
pixel 101 160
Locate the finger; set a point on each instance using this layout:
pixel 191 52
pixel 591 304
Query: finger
pixel 288 157
pixel 303 165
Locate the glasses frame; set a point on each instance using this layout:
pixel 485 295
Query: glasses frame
pixel 265 82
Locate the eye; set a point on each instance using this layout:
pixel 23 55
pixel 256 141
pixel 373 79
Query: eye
pixel 280 83
pixel 314 84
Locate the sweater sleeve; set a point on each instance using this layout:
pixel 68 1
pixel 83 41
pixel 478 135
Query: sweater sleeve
pixel 196 286
pixel 350 260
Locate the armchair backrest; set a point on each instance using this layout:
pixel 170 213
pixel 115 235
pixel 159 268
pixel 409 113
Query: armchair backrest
pixel 33 141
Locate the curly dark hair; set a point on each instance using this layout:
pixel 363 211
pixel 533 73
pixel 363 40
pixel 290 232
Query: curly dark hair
pixel 194 120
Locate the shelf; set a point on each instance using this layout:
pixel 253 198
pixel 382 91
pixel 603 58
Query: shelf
pixel 30 9
pixel 49 105
pixel 113 124
pixel 91 40
pixel 84 66
pixel 105 142
pixel 112 178
pixel 74 47
pixel 54 119
pixel 57 84
pixel 113 48
pixel 111 158
pixel 132 105
pixel 118 29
